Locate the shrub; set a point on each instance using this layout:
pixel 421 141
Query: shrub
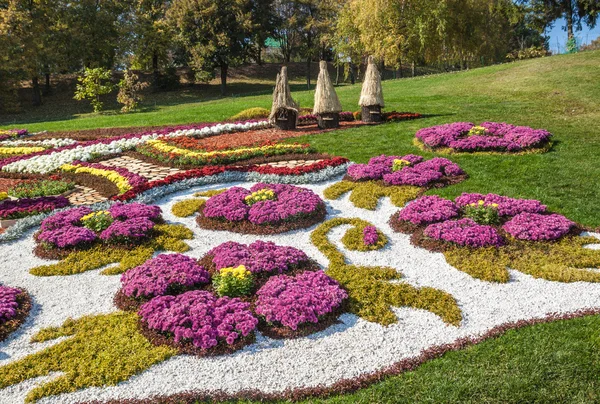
pixel 251 113
pixel 92 85
pixel 129 91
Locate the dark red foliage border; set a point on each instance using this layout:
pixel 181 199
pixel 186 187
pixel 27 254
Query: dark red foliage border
pixel 351 385
pixel 25 303
pixel 214 170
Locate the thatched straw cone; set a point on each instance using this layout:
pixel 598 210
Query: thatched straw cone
pixel 284 111
pixel 327 105
pixel 371 96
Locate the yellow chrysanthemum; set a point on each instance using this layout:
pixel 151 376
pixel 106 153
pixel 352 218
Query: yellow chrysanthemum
pixel 239 272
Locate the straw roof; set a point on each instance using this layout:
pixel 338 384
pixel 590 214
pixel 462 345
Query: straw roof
pixel 282 97
pixel 371 93
pixel 326 100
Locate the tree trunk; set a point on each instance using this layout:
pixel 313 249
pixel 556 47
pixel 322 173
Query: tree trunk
pixel 337 75
pixel 155 71
pixel 308 72
pixel 259 55
pixel 352 74
pixel 569 18
pixel 224 67
pixel 37 94
pixel 47 86
pixel 413 68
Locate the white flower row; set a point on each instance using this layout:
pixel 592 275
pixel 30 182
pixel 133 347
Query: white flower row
pixel 42 143
pixel 44 164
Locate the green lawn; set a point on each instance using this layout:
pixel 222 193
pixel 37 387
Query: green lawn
pixel 556 362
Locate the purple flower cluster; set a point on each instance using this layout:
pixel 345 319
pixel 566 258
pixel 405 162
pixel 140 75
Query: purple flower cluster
pixel 506 206
pixel 428 209
pixel 132 178
pixel 464 232
pixel 419 173
pixel 290 202
pixel 536 227
pixel 160 275
pixel 131 221
pixel 258 257
pixel 370 236
pixel 135 228
pixel 8 303
pixel 498 137
pixel 199 317
pixel 15 209
pixel 122 211
pixel 293 301
pixel 12 134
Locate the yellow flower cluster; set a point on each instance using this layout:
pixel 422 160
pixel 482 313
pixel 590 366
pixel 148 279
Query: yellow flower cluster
pixel 477 130
pixel 3 196
pixel 114 177
pixel 94 214
pixel 481 203
pixel 260 195
pixel 399 164
pixel 20 150
pixel 238 272
pixel 167 148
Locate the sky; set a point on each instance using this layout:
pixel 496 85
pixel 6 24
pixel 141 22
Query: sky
pixel 558 36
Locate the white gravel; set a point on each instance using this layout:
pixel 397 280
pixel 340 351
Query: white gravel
pixel 346 350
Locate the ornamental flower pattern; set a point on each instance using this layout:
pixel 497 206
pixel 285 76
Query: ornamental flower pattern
pixel 489 136
pixel 8 303
pixel 66 229
pixel 523 235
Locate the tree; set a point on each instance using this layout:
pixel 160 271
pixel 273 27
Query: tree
pixel 92 85
pixel 28 28
pixel 265 21
pixel 575 12
pixel 215 33
pixel 129 91
pixel 151 35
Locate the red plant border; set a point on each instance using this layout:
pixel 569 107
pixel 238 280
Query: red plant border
pixel 213 170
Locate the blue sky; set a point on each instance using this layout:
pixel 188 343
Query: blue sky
pixel 558 36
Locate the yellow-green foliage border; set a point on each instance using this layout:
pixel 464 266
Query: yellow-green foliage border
pixel 371 294
pixel 101 350
pixel 187 207
pixel 168 238
pixel 448 150
pixel 353 238
pixel 366 194
pixel 565 260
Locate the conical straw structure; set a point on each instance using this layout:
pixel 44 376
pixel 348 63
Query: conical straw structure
pixel 371 94
pixel 282 96
pixel 326 100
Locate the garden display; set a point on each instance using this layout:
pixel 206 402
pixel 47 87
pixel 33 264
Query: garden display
pixel 262 270
pixel 401 178
pixel 465 137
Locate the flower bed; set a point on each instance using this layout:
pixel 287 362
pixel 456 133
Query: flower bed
pixel 402 178
pixel 6 134
pixel 286 208
pixel 123 179
pixel 15 305
pixel 484 234
pixel 488 137
pixel 164 152
pixel 36 188
pixel 286 291
pixel 15 209
pixel 81 228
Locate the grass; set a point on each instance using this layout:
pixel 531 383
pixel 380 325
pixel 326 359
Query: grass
pixel 556 362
